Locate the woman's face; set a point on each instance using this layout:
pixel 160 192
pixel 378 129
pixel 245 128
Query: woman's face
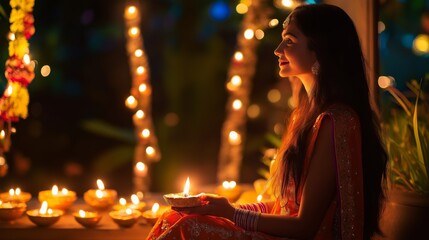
pixel 295 59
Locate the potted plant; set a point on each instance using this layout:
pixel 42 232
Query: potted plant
pixel 405 131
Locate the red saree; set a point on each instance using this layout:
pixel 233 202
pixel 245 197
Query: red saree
pixel 343 219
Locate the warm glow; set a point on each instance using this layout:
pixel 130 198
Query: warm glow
pixel 259 34
pixel 381 26
pixel 140 166
pixel 64 191
pixel 234 138
pixel 11 192
pixel 140 114
pixel 134 199
pixel 140 70
pixel 237 104
pixel 259 198
pixel 273 22
pixel 248 34
pixel 99 193
pixel 155 207
pixel 133 31
pixel 142 87
pixel 43 208
pixel 82 213
pixel 274 95
pixel 100 184
pixel 186 188
pixel 17 191
pixel 421 44
pixel 11 36
pixel 45 70
pixel 385 81
pixel 8 91
pixel 253 111
pixel 138 53
pixel 55 190
pixel 241 8
pixel 145 133
pixel 234 83
pixel 238 56
pixel 150 150
pixel 122 201
pixel 287 3
pixel 131 102
pixel 129 211
pixel 131 12
pixel 229 185
pixel 26 59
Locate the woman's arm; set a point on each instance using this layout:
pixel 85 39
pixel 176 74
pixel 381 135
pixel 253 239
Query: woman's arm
pixel 318 192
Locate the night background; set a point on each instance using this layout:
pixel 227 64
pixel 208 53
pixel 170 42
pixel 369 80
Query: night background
pixel 79 129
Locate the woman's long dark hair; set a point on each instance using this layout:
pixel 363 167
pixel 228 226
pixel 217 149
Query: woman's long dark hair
pixel 342 79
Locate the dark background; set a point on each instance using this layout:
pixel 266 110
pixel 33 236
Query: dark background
pixel 188 45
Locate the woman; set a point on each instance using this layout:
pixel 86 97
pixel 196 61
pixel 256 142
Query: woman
pixel 328 175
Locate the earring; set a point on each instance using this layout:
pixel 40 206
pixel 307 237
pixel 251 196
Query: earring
pixel 315 68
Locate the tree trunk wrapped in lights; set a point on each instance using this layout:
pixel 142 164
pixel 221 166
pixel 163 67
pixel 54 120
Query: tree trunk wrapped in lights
pixel 241 72
pixel 146 150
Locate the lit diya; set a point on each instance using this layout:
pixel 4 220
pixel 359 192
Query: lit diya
pixel 15 195
pixel 125 217
pixel 58 199
pixel 230 190
pixel 135 203
pixel 151 216
pixel 183 199
pixel 86 218
pixel 10 211
pixel 44 216
pixel 100 198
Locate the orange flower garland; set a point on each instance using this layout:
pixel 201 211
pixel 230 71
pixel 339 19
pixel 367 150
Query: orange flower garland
pixel 19 70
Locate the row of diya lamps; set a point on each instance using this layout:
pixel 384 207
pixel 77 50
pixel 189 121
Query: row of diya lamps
pixel 55 203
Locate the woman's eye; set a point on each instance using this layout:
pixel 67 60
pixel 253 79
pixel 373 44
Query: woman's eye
pixel 288 41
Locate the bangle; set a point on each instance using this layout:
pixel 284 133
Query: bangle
pixel 255 207
pixel 246 219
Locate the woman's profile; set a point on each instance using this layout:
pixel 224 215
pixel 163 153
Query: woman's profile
pixel 328 175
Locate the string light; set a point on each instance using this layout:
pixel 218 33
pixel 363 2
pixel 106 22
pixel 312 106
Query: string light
pixel 241 72
pixel 140 98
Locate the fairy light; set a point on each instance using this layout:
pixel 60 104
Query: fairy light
pixel 248 34
pixel 273 22
pixel 138 53
pixel 131 102
pixel 241 70
pixel 238 56
pixel 142 88
pixel 259 34
pixel 241 8
pixel 237 104
pixel 147 145
pixel 140 70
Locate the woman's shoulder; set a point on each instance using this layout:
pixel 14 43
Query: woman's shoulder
pixel 340 113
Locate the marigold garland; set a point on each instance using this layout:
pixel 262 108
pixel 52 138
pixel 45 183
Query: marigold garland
pixel 19 71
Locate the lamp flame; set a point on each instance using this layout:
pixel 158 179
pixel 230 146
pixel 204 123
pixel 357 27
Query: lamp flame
pixel 155 207
pixel 43 208
pixel 100 184
pixel 186 189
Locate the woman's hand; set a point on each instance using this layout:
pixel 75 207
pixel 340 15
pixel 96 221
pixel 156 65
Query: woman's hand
pixel 212 205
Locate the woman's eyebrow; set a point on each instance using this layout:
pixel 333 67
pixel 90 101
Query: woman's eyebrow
pixel 284 34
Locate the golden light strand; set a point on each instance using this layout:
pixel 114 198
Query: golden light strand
pixel 139 101
pixel 241 71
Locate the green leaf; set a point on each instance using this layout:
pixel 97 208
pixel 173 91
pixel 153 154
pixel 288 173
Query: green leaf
pixel 113 158
pixel 107 130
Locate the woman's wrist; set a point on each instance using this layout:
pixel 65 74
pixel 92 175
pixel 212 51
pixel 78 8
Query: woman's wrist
pixel 246 219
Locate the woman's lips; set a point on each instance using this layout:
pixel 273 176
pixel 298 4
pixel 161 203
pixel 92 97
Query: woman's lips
pixel 282 63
